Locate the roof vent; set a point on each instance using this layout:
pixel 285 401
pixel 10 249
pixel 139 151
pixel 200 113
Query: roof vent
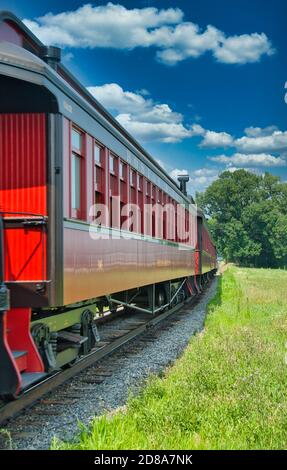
pixel 183 180
pixel 51 55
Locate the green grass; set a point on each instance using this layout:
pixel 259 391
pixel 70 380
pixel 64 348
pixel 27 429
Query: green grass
pixel 227 391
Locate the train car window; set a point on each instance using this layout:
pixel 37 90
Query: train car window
pixel 139 181
pixel 76 141
pixel 131 177
pixel 99 186
pixel 77 172
pixel 97 154
pixel 99 179
pixel 112 164
pixel 76 183
pixel 147 188
pixel 153 225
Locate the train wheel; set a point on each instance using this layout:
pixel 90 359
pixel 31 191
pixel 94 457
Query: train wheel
pixel 160 299
pixel 46 344
pixel 89 329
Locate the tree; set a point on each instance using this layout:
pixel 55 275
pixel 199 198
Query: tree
pixel 247 216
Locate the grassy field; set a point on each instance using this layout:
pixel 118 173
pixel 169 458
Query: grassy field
pixel 228 390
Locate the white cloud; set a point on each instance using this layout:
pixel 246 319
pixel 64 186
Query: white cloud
pixel 198 130
pixel 150 131
pixel 216 139
pixel 205 172
pixel 259 131
pixel 202 178
pixel 257 140
pixel 68 57
pixel 256 171
pixel 199 179
pixel 142 117
pixel 113 97
pixel 243 49
pixel 115 26
pixel 110 25
pixel 150 121
pixel 176 172
pixel 255 160
pixel 186 40
pixel 274 142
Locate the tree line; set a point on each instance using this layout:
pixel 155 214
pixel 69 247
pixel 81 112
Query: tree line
pixel 247 217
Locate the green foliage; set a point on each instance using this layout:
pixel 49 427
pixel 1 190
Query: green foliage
pixel 247 216
pixel 227 391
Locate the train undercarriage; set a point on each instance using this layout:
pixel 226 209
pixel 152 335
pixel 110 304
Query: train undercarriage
pixel 37 342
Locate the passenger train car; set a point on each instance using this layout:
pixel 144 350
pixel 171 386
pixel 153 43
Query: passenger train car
pixel 62 156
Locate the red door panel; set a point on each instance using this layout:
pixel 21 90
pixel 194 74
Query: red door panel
pixel 23 194
pixel 25 254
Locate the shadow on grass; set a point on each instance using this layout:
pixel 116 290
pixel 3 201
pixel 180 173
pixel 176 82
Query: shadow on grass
pixel 217 299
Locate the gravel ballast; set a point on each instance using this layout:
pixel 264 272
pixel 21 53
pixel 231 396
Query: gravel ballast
pixel 82 398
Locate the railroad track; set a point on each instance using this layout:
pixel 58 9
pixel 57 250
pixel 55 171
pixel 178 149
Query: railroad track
pixel 115 336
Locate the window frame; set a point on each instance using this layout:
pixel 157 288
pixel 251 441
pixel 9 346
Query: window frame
pixel 99 188
pixel 112 158
pixel 131 177
pixel 78 213
pixel 100 147
pixel 123 166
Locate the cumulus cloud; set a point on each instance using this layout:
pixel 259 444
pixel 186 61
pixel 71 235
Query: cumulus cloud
pixel 148 120
pixel 205 172
pixel 142 117
pixel 110 25
pixel 198 130
pixel 272 142
pixel 255 160
pixel 259 131
pixel 199 179
pixel 256 171
pixel 113 97
pixel 115 26
pixel 175 173
pixel 256 140
pixel 243 49
pixel 152 131
pixel 214 139
pixel 202 178
pixel 186 40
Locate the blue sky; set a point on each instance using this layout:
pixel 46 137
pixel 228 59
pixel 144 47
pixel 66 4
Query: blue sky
pixel 199 83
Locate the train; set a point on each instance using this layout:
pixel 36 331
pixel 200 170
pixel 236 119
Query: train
pixel 76 237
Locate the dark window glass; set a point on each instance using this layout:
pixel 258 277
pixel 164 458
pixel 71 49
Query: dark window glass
pixel 76 182
pixel 139 181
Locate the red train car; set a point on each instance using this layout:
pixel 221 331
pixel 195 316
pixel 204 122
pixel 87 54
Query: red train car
pixel 70 178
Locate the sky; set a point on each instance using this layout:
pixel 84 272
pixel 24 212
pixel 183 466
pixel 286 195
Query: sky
pixel 199 83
